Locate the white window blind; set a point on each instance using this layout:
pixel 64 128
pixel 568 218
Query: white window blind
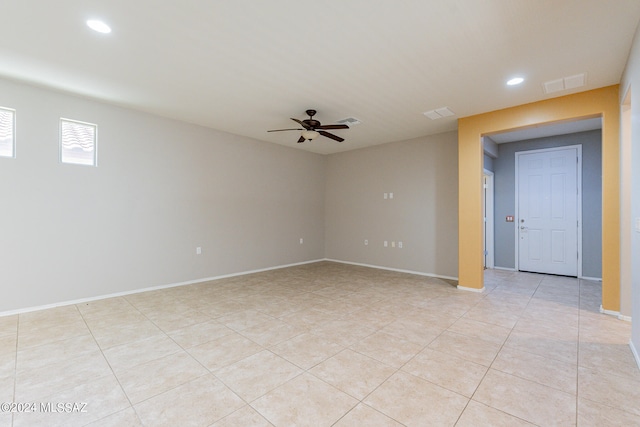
pixel 7 132
pixel 78 142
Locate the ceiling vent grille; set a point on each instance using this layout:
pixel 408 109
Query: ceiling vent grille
pixel 439 113
pixel 565 83
pixel 349 121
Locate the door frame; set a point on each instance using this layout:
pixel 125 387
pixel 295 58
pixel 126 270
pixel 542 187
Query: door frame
pixel 489 243
pixel 578 148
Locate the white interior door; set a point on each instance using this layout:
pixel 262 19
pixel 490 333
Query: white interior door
pixel 547 226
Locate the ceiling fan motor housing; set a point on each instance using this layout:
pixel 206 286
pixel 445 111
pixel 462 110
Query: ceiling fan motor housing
pixel 310 121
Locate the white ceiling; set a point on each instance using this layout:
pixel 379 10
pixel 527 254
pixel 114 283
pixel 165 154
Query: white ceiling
pixel 248 66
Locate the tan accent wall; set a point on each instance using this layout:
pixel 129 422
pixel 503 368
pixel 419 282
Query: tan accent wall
pixel 603 103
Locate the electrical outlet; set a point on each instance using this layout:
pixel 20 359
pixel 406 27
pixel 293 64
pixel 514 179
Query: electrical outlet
pixel 301 240
pixel 198 250
pixel 386 196
pixel 400 245
pixel 366 242
pixel 386 244
pixel 391 195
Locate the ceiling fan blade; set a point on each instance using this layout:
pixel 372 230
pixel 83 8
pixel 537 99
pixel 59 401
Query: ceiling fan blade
pixel 303 124
pixel 280 130
pixel 332 127
pixel 301 139
pixel 330 135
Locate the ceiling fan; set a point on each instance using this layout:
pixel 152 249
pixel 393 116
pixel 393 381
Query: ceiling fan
pixel 312 128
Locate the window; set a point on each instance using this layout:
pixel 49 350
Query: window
pixel 78 142
pixel 7 132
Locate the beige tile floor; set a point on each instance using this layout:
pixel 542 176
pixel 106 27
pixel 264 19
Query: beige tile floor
pixel 327 344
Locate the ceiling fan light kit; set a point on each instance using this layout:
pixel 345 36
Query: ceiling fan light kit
pixel 313 128
pixel 310 134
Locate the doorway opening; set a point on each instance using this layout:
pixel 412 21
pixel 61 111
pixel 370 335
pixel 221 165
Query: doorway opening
pixel 602 104
pixel 585 135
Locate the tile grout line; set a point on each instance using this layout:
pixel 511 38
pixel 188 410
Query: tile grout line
pixel 494 359
pixel 15 366
pixel 110 367
pixel 578 351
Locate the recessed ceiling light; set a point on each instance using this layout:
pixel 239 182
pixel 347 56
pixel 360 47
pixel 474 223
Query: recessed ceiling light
pixel 98 26
pixel 515 81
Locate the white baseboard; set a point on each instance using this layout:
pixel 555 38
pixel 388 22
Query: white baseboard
pixel 609 312
pixel 464 288
pixel 152 288
pixel 635 353
pixel 419 273
pixel 615 314
pixel 593 279
pixel 504 268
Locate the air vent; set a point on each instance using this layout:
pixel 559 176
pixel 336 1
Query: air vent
pixel 565 83
pixel 349 121
pixel 553 86
pixel 575 81
pixel 439 113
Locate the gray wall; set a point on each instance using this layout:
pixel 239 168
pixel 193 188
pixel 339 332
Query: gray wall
pixel 504 169
pixel 422 174
pixel 631 82
pixel 488 163
pixel 161 189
